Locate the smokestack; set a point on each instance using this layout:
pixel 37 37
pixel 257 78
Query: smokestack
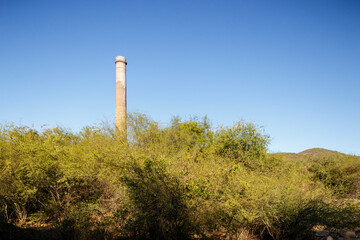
pixel 120 109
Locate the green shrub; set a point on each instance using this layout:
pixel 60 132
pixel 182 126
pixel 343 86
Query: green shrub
pixel 41 173
pixel 341 174
pixel 241 142
pixel 159 201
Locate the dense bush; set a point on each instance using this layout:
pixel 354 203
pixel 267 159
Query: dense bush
pixel 340 173
pixel 158 201
pixel 241 142
pixel 183 181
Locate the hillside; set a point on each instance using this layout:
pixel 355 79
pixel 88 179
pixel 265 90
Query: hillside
pixel 313 153
pixel 320 152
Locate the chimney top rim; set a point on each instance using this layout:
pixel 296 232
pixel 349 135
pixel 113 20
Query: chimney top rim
pixel 120 59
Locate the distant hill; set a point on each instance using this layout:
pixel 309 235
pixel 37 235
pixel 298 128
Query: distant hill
pixel 320 152
pixel 312 153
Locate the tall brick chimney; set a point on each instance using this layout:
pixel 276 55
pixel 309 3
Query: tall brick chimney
pixel 120 109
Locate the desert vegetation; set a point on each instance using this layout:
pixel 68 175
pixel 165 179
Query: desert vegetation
pixel 189 180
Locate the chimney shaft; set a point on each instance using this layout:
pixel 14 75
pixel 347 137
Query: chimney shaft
pixel 120 109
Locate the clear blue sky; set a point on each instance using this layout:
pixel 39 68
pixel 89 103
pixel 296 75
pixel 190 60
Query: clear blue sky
pixel 290 66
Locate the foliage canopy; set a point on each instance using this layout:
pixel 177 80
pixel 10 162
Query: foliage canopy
pixel 187 180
